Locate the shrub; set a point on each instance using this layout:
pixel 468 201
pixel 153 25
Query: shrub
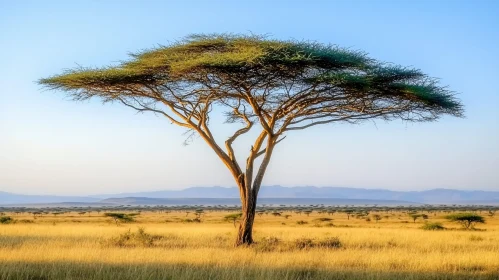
pixel 476 238
pixel 195 220
pixel 331 243
pixel 323 219
pixel 301 222
pixel 304 243
pixel 6 220
pixel 129 239
pixel 433 226
pixel 267 244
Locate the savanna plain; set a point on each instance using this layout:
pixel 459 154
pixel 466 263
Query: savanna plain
pixel 289 244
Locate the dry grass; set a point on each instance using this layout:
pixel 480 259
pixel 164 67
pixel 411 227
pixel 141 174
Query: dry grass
pixel 71 246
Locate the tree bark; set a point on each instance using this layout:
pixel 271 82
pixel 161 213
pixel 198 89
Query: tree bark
pixel 245 232
pixel 249 190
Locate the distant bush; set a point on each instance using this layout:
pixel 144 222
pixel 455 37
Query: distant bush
pixel 195 220
pixel 6 220
pixel 476 238
pixel 433 226
pixel 323 219
pixel 330 243
pixel 133 239
pixel 267 244
pixel 301 222
pixel 304 243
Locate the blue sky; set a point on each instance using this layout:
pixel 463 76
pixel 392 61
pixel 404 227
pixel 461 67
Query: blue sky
pixel 50 145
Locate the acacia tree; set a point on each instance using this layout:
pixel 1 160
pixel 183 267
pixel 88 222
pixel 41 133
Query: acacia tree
pixel 467 220
pixel 274 86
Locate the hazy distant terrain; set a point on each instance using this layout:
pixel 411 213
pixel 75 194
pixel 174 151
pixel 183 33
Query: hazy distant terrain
pixel 261 201
pixel 271 195
pixel 11 198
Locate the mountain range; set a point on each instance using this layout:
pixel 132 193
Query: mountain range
pixel 283 194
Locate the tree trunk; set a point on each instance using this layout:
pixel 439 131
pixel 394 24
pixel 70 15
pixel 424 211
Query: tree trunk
pixel 245 232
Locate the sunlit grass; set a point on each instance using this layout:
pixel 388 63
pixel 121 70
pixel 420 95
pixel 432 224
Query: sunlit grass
pixel 74 246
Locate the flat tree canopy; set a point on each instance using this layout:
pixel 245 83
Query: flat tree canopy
pixel 467 220
pixel 271 85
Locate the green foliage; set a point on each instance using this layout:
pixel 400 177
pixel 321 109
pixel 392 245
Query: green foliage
pixel 415 216
pixel 6 220
pixel 233 218
pixel 433 226
pixel 120 217
pixel 467 220
pixel 237 59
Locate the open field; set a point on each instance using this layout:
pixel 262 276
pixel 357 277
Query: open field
pixel 91 246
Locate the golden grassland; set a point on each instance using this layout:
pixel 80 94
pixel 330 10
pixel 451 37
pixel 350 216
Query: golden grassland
pixel 90 246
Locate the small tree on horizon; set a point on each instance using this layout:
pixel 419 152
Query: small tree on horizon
pixel 467 220
pixel 377 217
pixel 120 217
pixel 233 218
pixel 274 86
pixel 415 216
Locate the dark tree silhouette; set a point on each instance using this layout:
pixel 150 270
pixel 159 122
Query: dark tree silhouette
pixel 415 216
pixel 274 86
pixel 120 217
pixel 467 220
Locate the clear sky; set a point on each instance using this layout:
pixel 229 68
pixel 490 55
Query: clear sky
pixel 50 145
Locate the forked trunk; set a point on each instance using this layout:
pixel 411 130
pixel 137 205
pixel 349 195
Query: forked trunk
pixel 245 232
pixel 249 192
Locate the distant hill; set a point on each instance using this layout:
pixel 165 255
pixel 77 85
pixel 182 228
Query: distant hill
pixel 435 196
pixel 10 198
pixel 261 201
